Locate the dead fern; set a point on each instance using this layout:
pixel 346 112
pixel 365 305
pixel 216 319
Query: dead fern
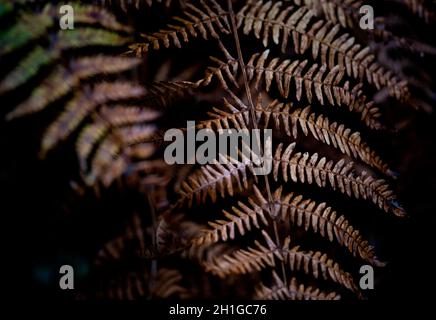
pixel 280 291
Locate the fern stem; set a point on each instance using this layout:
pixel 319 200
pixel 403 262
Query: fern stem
pixel 253 122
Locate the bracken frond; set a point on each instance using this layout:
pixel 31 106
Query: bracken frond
pixel 64 79
pixel 210 180
pixel 294 291
pixel 299 167
pixel 120 134
pixel 207 19
pixel 314 82
pixel 302 212
pixel 82 104
pixel 294 120
pixel 164 94
pixel 122 139
pixel 320 218
pixel 272 21
pixel 243 218
pixel 253 260
pixel 343 12
pixel 303 167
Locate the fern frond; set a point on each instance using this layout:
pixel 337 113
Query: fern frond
pixel 253 260
pixel 40 57
pixel 322 37
pixel 210 180
pixel 163 94
pixel 124 136
pixel 314 83
pixel 115 153
pixel 327 66
pixel 94 15
pixel 82 104
pixel 320 127
pixel 176 234
pixel 343 12
pixel 299 211
pixel 109 117
pixel 206 19
pixel 242 217
pixel 62 80
pixel 303 168
pixel 32 26
pixel 319 264
pixel 245 261
pixel 294 291
pixel 347 12
pixel 321 218
pixel 340 175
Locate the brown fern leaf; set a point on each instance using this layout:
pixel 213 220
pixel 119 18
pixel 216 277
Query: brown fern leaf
pixel 110 118
pixel 335 134
pixel 122 141
pixel 63 80
pixel 322 37
pixel 341 175
pixel 242 218
pixel 244 261
pixel 94 15
pixel 318 263
pixel 82 104
pixel 121 138
pixel 304 168
pixel 347 12
pixel 321 218
pixel 176 234
pixel 315 83
pixel 210 180
pixel 207 19
pixel 294 291
pixel 114 157
pixel 302 212
pixel 343 12
pixel 253 260
pixel 164 94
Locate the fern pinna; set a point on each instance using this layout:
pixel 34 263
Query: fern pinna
pixel 303 68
